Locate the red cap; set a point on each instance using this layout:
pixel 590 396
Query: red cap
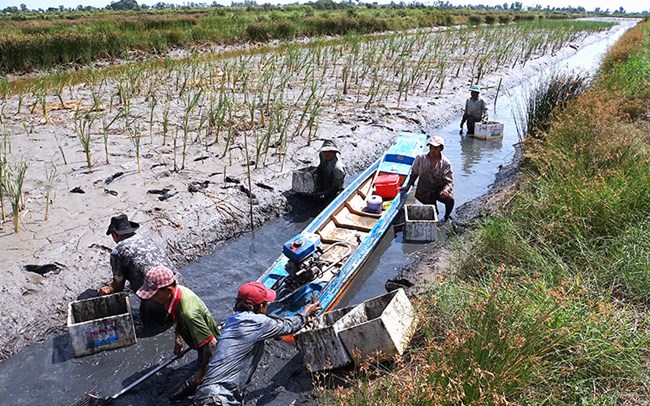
pixel 156 278
pixel 255 293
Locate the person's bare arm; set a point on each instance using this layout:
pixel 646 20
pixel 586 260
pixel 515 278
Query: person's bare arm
pixel 206 354
pixel 115 286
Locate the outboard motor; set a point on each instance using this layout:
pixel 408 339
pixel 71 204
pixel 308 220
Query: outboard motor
pixel 302 253
pixel 304 265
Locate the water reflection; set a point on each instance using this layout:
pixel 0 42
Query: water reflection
pixel 473 152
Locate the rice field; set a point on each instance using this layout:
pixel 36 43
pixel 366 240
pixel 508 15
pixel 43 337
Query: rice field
pixel 273 99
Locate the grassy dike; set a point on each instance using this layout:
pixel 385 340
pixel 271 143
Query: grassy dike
pixel 547 302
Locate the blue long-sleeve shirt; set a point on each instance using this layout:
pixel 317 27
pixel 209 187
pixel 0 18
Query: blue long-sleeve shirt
pixel 239 350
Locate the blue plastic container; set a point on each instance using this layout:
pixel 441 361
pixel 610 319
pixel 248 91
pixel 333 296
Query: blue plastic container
pixel 301 246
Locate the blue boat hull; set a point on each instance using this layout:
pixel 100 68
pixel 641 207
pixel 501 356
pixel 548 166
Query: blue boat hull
pixel 344 223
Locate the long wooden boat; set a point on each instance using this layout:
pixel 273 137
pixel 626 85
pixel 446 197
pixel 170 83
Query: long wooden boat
pixel 321 262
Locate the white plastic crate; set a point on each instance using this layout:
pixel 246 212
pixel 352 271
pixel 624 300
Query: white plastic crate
pixel 490 130
pixel 420 222
pixel 380 327
pixel 100 323
pixel 319 344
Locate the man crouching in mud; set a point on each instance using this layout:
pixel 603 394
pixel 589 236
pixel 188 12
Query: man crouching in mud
pixel 194 322
pixel 133 256
pixel 330 173
pixel 241 345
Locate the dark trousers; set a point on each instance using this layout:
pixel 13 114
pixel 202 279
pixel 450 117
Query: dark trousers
pixel 433 197
pixel 471 122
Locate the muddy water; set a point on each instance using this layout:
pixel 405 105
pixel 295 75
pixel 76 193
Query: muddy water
pixel 46 373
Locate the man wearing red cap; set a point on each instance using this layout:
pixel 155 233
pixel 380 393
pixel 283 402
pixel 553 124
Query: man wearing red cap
pixel 241 345
pixel 194 322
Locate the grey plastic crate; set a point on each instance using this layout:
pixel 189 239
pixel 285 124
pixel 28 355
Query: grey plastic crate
pixel 420 222
pixel 380 327
pixel 304 180
pixel 319 344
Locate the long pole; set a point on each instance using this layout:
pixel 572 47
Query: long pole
pixel 250 190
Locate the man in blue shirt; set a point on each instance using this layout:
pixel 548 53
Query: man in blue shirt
pixel 241 345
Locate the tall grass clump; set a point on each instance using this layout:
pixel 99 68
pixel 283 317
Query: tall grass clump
pixel 503 341
pixel 627 71
pixel 13 187
pixel 551 93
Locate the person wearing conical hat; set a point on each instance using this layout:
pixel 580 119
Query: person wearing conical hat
pixel 475 110
pixel 330 173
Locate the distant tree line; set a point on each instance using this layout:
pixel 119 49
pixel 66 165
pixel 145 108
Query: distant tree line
pixel 319 5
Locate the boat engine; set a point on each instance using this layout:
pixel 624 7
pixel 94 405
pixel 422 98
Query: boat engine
pixel 304 265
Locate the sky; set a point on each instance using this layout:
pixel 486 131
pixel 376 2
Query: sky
pixel 589 5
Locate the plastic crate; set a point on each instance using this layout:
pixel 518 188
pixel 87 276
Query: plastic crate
pixel 319 344
pixel 380 327
pixel 304 180
pixel 491 130
pixel 100 323
pixel 420 222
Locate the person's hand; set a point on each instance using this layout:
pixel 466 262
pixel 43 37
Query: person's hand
pixel 178 345
pixel 312 309
pixel 106 290
pixel 444 193
pixel 404 189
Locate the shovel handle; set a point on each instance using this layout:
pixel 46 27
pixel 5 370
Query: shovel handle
pixel 149 374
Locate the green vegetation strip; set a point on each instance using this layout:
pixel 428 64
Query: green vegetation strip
pixel 81 39
pixel 549 300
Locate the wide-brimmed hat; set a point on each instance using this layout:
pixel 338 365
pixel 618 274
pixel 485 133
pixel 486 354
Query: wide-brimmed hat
pixel 475 88
pixel 155 278
pixel 255 293
pixel 329 145
pixel 121 225
pixel 436 141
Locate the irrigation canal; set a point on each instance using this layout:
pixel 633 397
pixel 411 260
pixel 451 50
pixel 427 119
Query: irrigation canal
pixel 46 372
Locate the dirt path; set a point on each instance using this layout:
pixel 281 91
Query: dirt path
pixel 188 223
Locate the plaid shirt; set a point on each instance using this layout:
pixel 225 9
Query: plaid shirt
pixel 432 177
pixel 133 257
